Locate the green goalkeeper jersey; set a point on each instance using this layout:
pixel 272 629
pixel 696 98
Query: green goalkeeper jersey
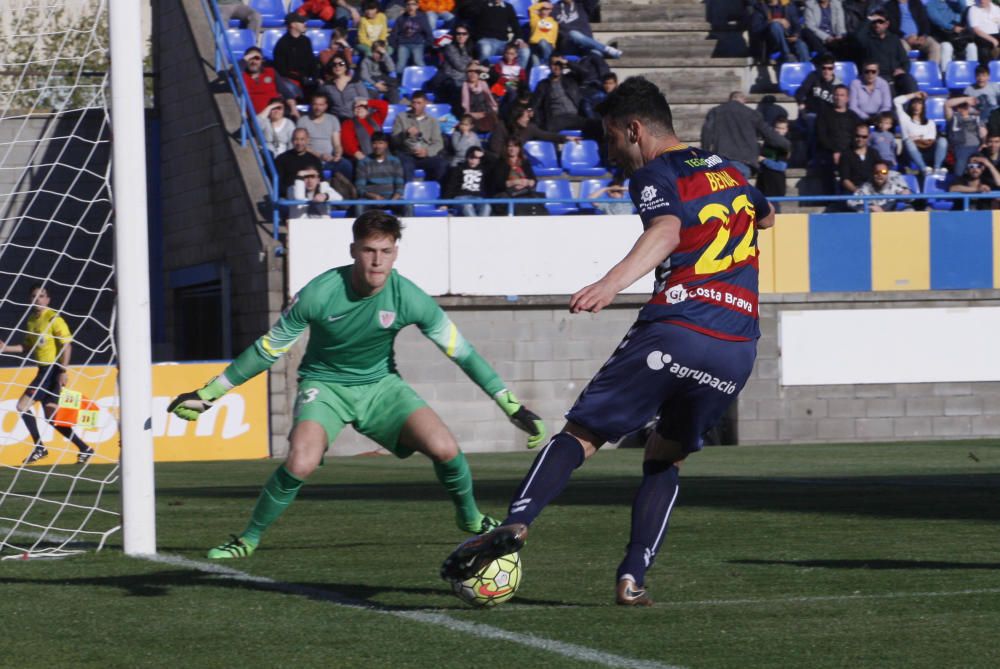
pixel 351 337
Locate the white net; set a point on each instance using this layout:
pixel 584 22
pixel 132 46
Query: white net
pixel 55 230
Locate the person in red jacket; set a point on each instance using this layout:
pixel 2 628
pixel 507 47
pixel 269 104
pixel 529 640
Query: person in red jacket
pixel 261 82
pixel 356 132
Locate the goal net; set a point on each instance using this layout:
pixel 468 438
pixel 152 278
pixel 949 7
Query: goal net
pixel 56 231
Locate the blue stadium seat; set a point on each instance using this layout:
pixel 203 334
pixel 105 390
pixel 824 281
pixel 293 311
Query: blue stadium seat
pixel 928 77
pixel 538 72
pixel 390 116
pixel 960 73
pixel 543 158
pixel 415 76
pixel 239 41
pixel 582 159
pixel 792 75
pixel 911 182
pixel 557 189
pixel 938 183
pixel 268 39
pixel 995 70
pixel 934 108
pixel 320 39
pixel 272 12
pixel 423 190
pixel 521 8
pixel 495 58
pixel 438 109
pixel 587 188
pixel 846 71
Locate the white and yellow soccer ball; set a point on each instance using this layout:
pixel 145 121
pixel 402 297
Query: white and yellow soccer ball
pixel 494 584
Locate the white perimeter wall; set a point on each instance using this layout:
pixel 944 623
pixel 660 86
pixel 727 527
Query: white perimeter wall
pixel 481 256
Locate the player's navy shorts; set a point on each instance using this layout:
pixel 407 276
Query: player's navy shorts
pixel 44 387
pixel 689 377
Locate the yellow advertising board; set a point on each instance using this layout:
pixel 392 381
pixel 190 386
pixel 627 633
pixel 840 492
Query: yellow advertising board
pixel 236 428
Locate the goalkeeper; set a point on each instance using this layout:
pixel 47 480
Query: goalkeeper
pixel 348 376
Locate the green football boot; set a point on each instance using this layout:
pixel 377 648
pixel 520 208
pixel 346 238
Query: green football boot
pixel 237 547
pixel 485 524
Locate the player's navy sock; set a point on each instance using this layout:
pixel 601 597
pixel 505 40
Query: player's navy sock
pixel 67 432
pixel 31 423
pixel 650 515
pixel 279 491
pixel 546 479
pixel 456 477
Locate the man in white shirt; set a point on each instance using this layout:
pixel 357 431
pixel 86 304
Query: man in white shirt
pixel 984 20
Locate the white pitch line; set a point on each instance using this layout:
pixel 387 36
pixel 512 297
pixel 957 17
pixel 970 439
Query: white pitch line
pixel 570 650
pixel 828 598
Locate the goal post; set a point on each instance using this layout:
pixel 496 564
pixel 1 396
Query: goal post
pixel 132 277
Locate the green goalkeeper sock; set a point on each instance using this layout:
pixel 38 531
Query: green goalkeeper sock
pixel 279 491
pixel 456 477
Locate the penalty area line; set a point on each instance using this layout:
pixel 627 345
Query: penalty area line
pixel 569 650
pixel 818 599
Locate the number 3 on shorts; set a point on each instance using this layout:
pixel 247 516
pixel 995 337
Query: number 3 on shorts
pixel 306 395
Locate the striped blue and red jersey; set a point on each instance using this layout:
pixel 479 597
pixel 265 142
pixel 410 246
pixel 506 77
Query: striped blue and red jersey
pixel 709 282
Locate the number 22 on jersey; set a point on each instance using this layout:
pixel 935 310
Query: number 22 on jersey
pixel 712 259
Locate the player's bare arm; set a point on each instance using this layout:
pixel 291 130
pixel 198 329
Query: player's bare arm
pixel 10 348
pixel 657 242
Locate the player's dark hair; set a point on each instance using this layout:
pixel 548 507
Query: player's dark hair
pixel 637 98
pixel 37 286
pixel 376 222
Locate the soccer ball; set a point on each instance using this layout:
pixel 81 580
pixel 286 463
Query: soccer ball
pixel 494 584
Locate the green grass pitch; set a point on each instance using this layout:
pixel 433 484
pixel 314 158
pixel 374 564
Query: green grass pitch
pixel 875 555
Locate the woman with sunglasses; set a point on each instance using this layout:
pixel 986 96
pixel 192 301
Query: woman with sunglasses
pixel 341 89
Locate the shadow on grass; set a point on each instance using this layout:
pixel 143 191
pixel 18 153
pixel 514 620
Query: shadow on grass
pixel 875 564
pixel 164 583
pixel 969 496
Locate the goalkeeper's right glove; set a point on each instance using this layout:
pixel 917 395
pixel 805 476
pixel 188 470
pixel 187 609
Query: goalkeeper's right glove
pixel 191 405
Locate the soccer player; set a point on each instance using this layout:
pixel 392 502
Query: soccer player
pixel 689 352
pixel 49 343
pixel 348 375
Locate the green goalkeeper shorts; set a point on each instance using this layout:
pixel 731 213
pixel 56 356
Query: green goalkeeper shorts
pixel 377 410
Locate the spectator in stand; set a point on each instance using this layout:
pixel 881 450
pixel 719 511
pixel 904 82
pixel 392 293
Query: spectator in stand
pixel 248 16
pixel 393 9
pixel 378 73
pixel 544 30
pixel 468 181
pixel 857 164
pixel 477 100
pixel 575 34
pixel 908 20
pixel 595 96
pixel 557 101
pixel 309 186
pixel 984 21
pixel 373 27
pixel 869 93
pixel 277 129
pixel 356 132
pixel 883 181
pixel 380 176
pixel 522 128
pixel 773 165
pixel 438 10
pixel 986 93
pixel 920 136
pixel 776 27
pixel 294 61
pixel 980 176
pixel 734 130
pixel 813 96
pixel 342 90
pixel 411 35
pixel 455 58
pixel 462 139
pixel 615 190
pixel 296 159
pixel 261 82
pixel 949 29
pixel 878 45
pixel 507 75
pixel 513 176
pixel 339 46
pixel 332 12
pixel 825 29
pixel 883 140
pixel 835 134
pixel 494 21
pixel 964 131
pixel 991 149
pixel 324 136
pixel 417 138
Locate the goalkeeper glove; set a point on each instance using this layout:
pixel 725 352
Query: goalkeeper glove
pixel 191 405
pixel 523 418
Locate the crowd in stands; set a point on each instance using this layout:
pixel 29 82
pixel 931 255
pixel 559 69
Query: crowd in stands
pixel 446 92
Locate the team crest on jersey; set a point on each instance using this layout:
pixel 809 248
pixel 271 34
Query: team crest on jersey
pixel 386 318
pixel 676 294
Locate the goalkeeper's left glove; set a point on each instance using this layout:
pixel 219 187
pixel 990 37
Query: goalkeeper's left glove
pixel 523 418
pixel 191 405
